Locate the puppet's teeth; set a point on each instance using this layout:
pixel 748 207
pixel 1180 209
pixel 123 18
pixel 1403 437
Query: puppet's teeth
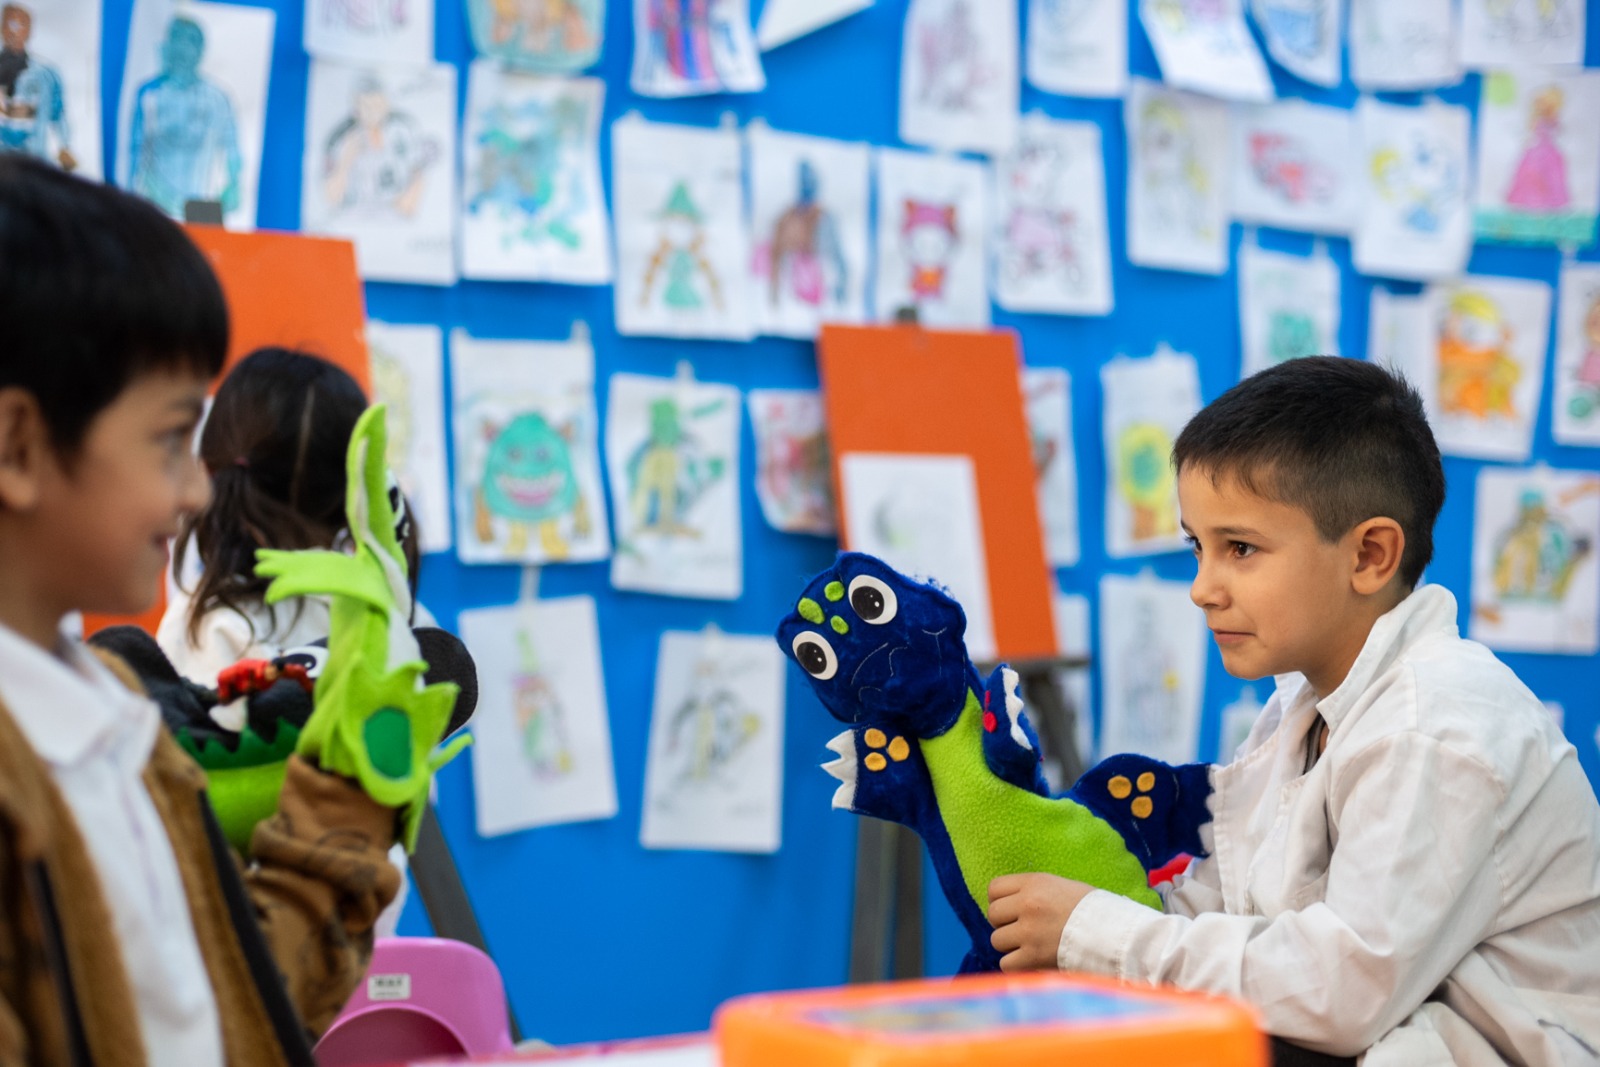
pixel 1014 708
pixel 843 743
pixel 843 768
pixel 845 796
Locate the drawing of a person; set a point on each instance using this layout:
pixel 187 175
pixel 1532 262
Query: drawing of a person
pixel 1476 370
pixel 804 249
pixel 33 109
pixel 928 236
pixel 953 67
pixel 1175 177
pixel 667 474
pixel 1540 181
pixel 1040 237
pixel 183 143
pixel 1537 555
pixel 680 254
pixel 375 160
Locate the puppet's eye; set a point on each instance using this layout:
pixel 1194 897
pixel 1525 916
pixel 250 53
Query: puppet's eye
pixel 873 600
pixel 815 655
pixel 311 657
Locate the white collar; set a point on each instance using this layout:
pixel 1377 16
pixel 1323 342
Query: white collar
pixel 1427 611
pixel 70 705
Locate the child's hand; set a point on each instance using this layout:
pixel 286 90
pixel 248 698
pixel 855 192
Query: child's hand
pixel 1028 913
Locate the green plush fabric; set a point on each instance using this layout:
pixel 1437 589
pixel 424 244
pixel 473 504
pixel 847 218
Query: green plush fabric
pixel 243 796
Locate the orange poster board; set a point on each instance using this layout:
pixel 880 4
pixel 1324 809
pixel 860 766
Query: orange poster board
pixel 282 289
pixel 903 389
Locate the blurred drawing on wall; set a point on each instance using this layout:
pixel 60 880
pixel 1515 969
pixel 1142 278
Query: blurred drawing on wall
pixel 1403 47
pixel 1294 167
pixel 1415 221
pixel 794 469
pixel 958 75
pixel 392 32
pixel 932 233
pixel 1303 37
pixel 1147 403
pixel 1204 46
pixel 1152 668
pixel 50 82
pixel 1078 47
pixel 1504 33
pixel 538 36
pixel 1288 307
pixel 1538 173
pixel 408 376
pixel 694 47
pixel 1575 419
pixel 1177 174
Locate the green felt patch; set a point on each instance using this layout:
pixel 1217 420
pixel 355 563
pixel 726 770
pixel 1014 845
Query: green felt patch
pixel 242 797
pixel 834 591
pixel 387 735
pixel 810 611
pixel 251 751
pixel 839 625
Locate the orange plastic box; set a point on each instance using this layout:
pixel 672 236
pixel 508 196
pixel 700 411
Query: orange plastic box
pixel 1030 1020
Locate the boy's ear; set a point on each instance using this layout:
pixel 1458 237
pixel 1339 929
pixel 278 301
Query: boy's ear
pixel 1380 543
pixel 24 448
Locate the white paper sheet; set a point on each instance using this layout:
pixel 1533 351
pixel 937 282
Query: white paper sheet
pixel 1499 33
pixel 714 773
pixel 672 457
pixel 370 31
pixel 1078 47
pixel 1147 404
pixel 532 207
pixel 543 751
pixel 784 20
pixel 1204 45
pixel 932 230
pixel 1485 366
pixel 1538 175
pixel 1303 37
pixel 553 37
pixel 408 376
pixel 1288 307
pixel 1415 222
pixel 1576 413
pixel 683 244
pixel 194 101
pixel 1152 668
pixel 808 213
pixel 527 468
pixel 794 475
pixel 1535 579
pixel 1238 718
pixel 691 47
pixel 1052 248
pixel 958 75
pixel 919 514
pixel 1047 393
pixel 52 111
pixel 1398 331
pixel 379 167
pixel 1177 179
pixel 1295 166
pixel 1075 637
pixel 1406 46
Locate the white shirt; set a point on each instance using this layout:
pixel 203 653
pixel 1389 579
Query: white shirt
pixel 227 636
pixel 1428 890
pixel 96 738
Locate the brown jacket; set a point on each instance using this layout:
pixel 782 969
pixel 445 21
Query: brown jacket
pixel 319 880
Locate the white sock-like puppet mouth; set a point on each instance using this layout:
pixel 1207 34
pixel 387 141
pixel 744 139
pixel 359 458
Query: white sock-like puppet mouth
pixel 844 768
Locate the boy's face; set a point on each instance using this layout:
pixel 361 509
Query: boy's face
pixel 1277 597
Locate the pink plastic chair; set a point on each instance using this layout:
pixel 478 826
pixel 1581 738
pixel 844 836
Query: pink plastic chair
pixel 422 997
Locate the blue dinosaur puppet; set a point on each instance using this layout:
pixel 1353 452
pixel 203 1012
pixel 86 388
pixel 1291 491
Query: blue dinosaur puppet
pixel 932 746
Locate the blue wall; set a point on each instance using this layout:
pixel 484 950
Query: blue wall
pixel 598 937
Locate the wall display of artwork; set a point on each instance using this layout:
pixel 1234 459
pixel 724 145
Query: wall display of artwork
pixel 532 207
pixel 1288 307
pixel 1152 668
pixel 551 37
pixel 1575 419
pixel 527 467
pixel 1538 173
pixel 808 215
pixel 1051 245
pixel 50 93
pixel 408 376
pixel 1205 46
pixel 958 75
pixel 1415 221
pixel 1078 47
pixel 1403 47
pixel 1499 33
pixel 1294 167
pixel 1147 403
pixel 783 21
pixel 1177 174
pixel 794 475
pixel 370 31
pixel 380 146
pixel 1303 36
pixel 692 47
pixel 1047 392
pixel 1397 329
pixel 932 230
pixel 1075 638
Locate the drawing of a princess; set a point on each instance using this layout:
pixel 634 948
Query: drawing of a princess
pixel 1540 181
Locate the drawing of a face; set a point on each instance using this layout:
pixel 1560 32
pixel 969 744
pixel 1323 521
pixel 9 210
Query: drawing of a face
pixel 1037 172
pixel 371 106
pixel 1164 140
pixel 928 233
pixel 528 474
pixel 1474 322
pixel 16 25
pixel 181 52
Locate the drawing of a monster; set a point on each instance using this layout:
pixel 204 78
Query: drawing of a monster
pixel 529 482
pixel 667 474
pixel 932 746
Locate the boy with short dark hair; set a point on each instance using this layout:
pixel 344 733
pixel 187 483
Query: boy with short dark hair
pixel 1406 861
pixel 127 935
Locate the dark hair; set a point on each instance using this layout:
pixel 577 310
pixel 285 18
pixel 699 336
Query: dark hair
pixel 97 288
pixel 275 443
pixel 1341 439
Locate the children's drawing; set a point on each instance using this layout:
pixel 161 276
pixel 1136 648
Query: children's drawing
pixel 398 32
pixel 408 376
pixel 1204 46
pixel 714 773
pixel 1075 637
pixel 1152 668
pixel 1303 36
pixel 527 469
pixel 672 455
pixel 683 246
pixel 1538 157
pixel 50 82
pixel 1294 167
pixel 1414 220
pixel 1576 418
pixel 1487 367
pixel 194 101
pixel 378 170
pixel 958 75
pixel 1047 393
pixel 1400 47
pixel 693 47
pixel 1052 252
pixel 1177 164
pixel 794 469
pixel 1238 719
pixel 538 36
pixel 809 219
pixel 1503 33
pixel 1535 579
pixel 1078 47
pixel 531 202
pixel 544 738
pixel 1288 307
pixel 919 514
pixel 1398 329
pixel 931 234
pixel 784 20
pixel 1147 403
